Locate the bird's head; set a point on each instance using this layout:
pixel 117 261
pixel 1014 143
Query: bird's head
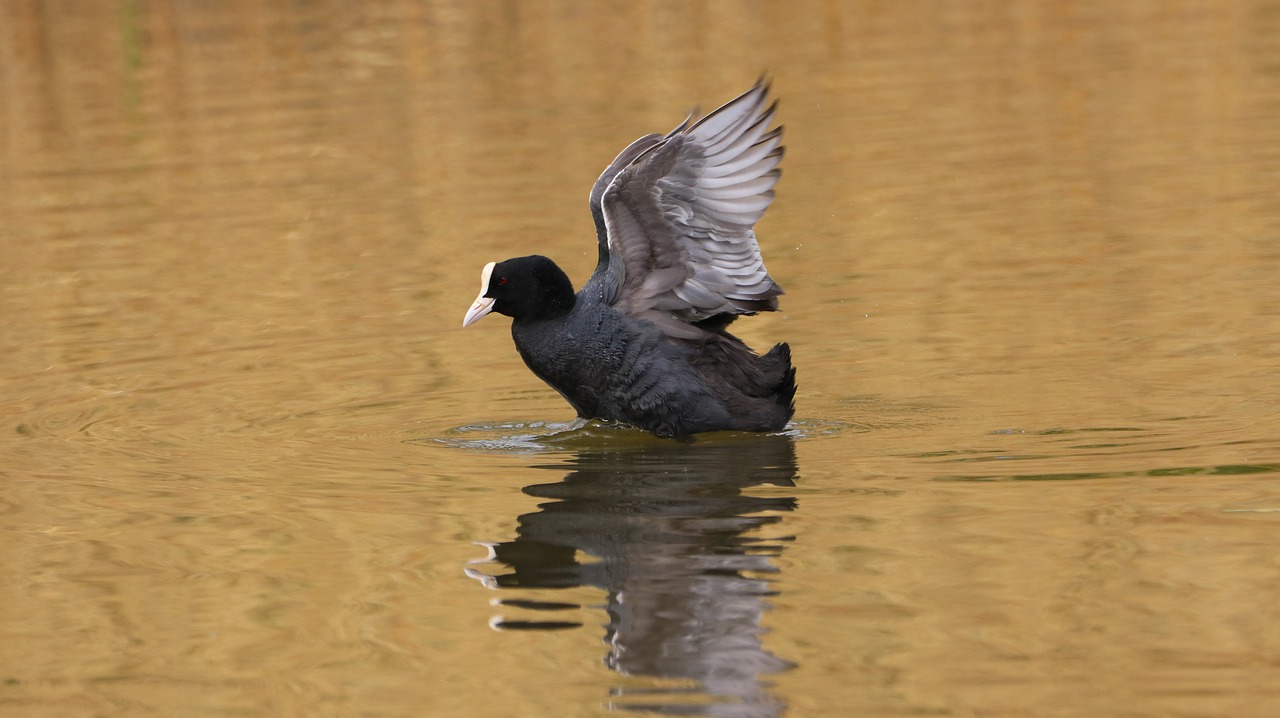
pixel 530 287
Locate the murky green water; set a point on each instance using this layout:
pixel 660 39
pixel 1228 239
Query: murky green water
pixel 254 467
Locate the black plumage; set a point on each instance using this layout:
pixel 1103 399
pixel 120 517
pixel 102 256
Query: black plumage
pixel 645 341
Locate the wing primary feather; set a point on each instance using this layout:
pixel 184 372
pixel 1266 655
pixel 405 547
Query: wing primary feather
pixel 749 136
pixel 741 188
pixel 766 149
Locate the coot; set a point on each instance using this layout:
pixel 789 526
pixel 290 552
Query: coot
pixel 645 341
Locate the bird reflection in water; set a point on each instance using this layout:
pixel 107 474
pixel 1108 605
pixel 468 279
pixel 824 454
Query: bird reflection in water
pixel 683 554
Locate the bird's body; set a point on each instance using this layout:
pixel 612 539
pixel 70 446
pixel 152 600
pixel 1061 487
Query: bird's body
pixel 608 365
pixel 645 342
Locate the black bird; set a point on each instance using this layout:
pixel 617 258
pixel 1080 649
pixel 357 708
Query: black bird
pixel 645 341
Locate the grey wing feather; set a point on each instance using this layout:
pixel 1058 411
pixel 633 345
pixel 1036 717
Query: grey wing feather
pixel 678 218
pixel 624 158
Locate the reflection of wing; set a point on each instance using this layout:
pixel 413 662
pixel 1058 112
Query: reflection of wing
pixel 678 214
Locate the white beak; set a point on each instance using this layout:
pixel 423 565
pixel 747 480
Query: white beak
pixel 482 305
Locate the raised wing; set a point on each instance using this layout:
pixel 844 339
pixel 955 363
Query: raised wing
pixel 678 217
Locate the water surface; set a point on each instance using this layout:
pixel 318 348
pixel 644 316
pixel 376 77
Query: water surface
pixel 255 467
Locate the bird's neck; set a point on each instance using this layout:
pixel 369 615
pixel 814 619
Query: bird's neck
pixel 551 306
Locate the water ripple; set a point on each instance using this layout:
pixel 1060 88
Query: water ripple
pixel 538 436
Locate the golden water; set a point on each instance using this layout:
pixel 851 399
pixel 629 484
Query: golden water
pixel 253 466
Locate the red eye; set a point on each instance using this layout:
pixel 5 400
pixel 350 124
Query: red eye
pixel 502 280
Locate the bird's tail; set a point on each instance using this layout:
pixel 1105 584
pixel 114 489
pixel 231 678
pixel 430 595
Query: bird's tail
pixel 779 360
